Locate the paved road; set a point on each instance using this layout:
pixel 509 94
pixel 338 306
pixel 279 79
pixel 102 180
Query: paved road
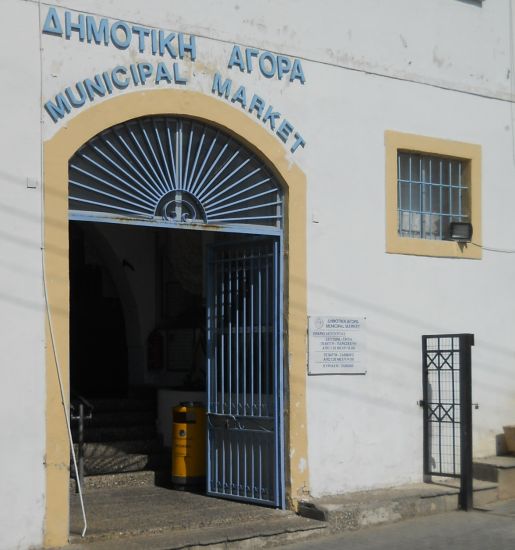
pixel 490 529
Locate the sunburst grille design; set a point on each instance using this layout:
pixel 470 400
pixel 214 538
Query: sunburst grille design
pixel 175 170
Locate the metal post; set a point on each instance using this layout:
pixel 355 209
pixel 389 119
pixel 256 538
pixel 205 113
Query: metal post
pixel 80 481
pixel 466 489
pixel 424 404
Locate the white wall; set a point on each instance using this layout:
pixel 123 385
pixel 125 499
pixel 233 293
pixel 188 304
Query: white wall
pixel 373 423
pixel 442 68
pixel 456 43
pixel 22 391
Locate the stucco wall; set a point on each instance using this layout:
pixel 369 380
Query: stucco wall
pixel 452 43
pixel 22 391
pixel 373 422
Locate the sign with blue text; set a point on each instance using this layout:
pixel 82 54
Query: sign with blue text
pixel 166 55
pixel 337 345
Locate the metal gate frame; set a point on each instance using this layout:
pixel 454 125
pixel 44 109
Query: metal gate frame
pixel 178 172
pixel 221 422
pixel 446 362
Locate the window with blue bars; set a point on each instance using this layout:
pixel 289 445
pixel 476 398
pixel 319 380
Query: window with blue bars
pixel 432 192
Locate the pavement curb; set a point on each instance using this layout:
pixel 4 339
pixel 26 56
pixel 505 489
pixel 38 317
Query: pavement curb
pixel 355 511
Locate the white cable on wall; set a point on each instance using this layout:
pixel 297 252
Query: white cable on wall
pixel 63 399
pixel 45 290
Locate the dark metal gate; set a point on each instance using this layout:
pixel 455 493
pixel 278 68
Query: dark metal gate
pixel 245 381
pixel 447 405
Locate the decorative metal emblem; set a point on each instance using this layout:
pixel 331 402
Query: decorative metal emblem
pixel 180 206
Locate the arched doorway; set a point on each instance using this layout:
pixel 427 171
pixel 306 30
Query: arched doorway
pixel 57 152
pixel 177 173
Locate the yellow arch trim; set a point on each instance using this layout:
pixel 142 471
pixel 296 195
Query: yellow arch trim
pixel 57 151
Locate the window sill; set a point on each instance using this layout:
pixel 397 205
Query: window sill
pixel 428 247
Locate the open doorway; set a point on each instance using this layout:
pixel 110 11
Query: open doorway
pixel 137 340
pixel 160 317
pixel 98 346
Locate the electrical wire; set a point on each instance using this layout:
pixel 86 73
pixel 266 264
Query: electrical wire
pixel 313 59
pixel 492 249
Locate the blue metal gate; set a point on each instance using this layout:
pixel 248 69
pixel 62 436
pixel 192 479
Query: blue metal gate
pixel 245 380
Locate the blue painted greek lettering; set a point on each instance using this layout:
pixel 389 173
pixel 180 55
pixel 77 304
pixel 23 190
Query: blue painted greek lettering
pixel 222 89
pixel 236 58
pixel 52 24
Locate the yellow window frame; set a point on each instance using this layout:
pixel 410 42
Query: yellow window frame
pixel 471 153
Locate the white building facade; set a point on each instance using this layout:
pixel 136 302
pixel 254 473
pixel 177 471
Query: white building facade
pixel 361 113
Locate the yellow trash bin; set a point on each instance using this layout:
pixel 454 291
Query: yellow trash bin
pixel 189 445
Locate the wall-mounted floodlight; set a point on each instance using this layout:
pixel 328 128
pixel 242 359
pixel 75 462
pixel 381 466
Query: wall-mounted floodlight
pixel 460 232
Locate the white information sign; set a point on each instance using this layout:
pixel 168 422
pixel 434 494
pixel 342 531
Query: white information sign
pixel 336 345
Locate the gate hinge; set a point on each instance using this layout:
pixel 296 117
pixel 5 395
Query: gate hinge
pixel 421 403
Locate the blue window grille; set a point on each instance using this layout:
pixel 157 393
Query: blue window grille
pixel 432 192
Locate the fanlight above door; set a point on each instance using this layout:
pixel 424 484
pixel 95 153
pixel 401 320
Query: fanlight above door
pixel 174 170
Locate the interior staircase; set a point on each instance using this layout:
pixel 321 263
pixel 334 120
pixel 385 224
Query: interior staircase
pixel 121 445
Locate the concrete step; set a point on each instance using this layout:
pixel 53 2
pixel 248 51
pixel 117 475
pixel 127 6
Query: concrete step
pixel 112 448
pixel 357 510
pixel 107 434
pixel 243 536
pixel 156 517
pixel 125 462
pixel 123 480
pixel 500 470
pixel 485 492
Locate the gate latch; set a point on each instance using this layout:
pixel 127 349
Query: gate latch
pixel 476 405
pixel 421 403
